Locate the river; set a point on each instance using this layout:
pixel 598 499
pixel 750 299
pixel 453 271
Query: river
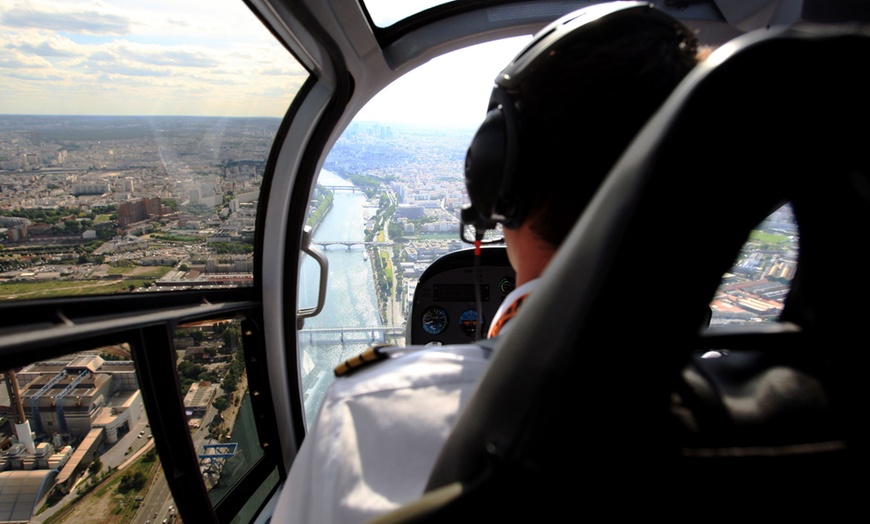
pixel 351 299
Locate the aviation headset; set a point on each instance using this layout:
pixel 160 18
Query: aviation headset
pixel 493 156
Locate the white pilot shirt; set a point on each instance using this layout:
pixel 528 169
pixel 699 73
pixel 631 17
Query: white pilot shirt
pixel 378 434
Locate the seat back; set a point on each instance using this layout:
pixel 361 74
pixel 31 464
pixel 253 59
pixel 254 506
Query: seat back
pixel 598 392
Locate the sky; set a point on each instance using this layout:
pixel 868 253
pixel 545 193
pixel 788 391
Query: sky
pixel 422 95
pixel 202 57
pixel 140 57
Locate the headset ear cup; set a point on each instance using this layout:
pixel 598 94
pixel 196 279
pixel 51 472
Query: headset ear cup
pixel 484 169
pixel 507 206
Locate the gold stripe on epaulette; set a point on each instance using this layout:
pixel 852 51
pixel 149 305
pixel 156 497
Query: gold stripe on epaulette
pixel 372 354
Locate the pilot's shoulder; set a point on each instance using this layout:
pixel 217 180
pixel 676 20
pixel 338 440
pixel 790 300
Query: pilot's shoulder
pixel 372 354
pixel 385 352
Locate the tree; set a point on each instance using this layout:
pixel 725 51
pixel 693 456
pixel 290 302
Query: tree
pixel 71 226
pixel 132 481
pixel 191 371
pixel 150 455
pixel 231 337
pixel 171 205
pixel 96 465
pixel 221 404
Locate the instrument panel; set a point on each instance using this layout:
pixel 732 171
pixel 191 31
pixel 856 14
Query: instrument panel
pixel 445 305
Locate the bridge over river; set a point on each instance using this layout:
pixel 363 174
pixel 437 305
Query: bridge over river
pixel 342 188
pixel 370 335
pixel 350 243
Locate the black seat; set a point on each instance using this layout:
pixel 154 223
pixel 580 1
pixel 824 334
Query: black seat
pixel 598 400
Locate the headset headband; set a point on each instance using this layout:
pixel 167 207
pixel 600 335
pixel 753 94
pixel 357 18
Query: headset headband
pixel 492 157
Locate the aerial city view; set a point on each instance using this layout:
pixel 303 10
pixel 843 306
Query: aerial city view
pixel 107 205
pixel 100 205
pixel 255 252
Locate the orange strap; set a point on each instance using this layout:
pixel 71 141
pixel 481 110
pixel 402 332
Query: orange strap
pixel 508 314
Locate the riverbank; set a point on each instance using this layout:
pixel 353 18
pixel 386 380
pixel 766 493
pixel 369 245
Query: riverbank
pixel 230 414
pixel 392 307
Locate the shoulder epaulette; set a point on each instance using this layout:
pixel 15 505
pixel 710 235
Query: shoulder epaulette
pixel 372 354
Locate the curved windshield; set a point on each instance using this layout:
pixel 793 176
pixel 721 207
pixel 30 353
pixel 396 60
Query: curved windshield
pixel 387 204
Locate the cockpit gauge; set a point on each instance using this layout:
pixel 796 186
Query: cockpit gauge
pixel 468 320
pixel 434 320
pixel 506 285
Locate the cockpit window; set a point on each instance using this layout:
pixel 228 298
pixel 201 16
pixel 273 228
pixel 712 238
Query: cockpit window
pixel 385 13
pixel 755 288
pixel 133 139
pixel 386 205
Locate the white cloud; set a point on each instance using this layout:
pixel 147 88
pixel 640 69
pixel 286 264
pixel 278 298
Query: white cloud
pixel 141 57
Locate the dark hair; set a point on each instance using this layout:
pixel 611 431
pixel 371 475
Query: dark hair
pixel 579 114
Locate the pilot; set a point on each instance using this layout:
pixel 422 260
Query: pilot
pixel 559 116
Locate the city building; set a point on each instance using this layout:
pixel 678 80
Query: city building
pixel 139 210
pixel 69 398
pixel 199 397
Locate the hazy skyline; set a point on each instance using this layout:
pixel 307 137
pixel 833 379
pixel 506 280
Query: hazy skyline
pixel 198 58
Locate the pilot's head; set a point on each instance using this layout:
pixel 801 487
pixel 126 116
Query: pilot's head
pixel 563 110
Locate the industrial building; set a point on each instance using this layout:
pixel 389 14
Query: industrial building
pixel 61 413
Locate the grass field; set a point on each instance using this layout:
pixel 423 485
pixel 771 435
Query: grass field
pixel 140 271
pixel 66 288
pixel 768 238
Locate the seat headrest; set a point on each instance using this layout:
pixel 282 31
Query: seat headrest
pixel 771 117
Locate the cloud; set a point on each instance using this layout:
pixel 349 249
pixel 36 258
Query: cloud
pixel 47 49
pixel 165 56
pixel 142 57
pixel 65 18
